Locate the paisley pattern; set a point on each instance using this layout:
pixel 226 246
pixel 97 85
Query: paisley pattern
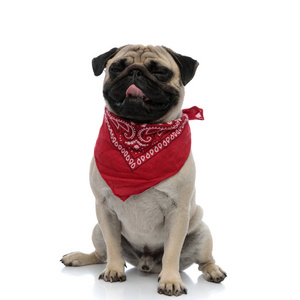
pixel 138 143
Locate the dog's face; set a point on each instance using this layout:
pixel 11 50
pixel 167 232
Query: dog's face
pixel 144 83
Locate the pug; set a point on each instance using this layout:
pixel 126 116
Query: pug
pixel 143 173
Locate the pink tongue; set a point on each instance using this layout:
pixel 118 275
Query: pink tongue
pixel 134 91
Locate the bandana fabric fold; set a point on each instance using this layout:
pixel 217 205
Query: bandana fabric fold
pixel 133 157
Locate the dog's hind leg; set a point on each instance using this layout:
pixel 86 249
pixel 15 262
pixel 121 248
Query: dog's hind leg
pixel 204 258
pixel 76 259
pixel 203 244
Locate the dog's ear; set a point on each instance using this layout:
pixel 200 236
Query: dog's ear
pixel 99 62
pixel 187 66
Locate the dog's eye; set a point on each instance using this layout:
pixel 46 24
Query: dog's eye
pixel 162 73
pixel 115 69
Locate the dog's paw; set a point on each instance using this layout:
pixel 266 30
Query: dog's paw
pixel 171 285
pixel 213 273
pixel 113 273
pixel 76 259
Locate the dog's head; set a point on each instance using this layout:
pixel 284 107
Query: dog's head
pixel 144 83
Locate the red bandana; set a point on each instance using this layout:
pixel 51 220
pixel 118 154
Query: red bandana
pixel 132 157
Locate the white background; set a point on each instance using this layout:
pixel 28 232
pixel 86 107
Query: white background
pixel 246 150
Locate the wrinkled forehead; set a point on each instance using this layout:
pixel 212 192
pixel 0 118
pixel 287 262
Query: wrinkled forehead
pixel 139 54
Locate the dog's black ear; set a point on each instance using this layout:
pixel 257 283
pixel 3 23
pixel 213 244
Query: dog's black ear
pixel 99 62
pixel 187 66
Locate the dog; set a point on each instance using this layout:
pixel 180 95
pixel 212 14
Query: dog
pixel 143 172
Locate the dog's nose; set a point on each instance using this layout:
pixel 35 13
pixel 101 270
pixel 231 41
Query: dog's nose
pixel 135 73
pixel 145 268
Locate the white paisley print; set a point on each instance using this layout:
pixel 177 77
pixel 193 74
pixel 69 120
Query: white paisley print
pixel 137 142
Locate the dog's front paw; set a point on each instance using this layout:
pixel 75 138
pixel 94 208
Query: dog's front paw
pixel 213 273
pixel 113 273
pixel 76 259
pixel 171 284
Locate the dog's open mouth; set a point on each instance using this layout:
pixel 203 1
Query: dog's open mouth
pixel 134 92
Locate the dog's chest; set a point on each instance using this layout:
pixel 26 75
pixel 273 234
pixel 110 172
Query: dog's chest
pixel 143 217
